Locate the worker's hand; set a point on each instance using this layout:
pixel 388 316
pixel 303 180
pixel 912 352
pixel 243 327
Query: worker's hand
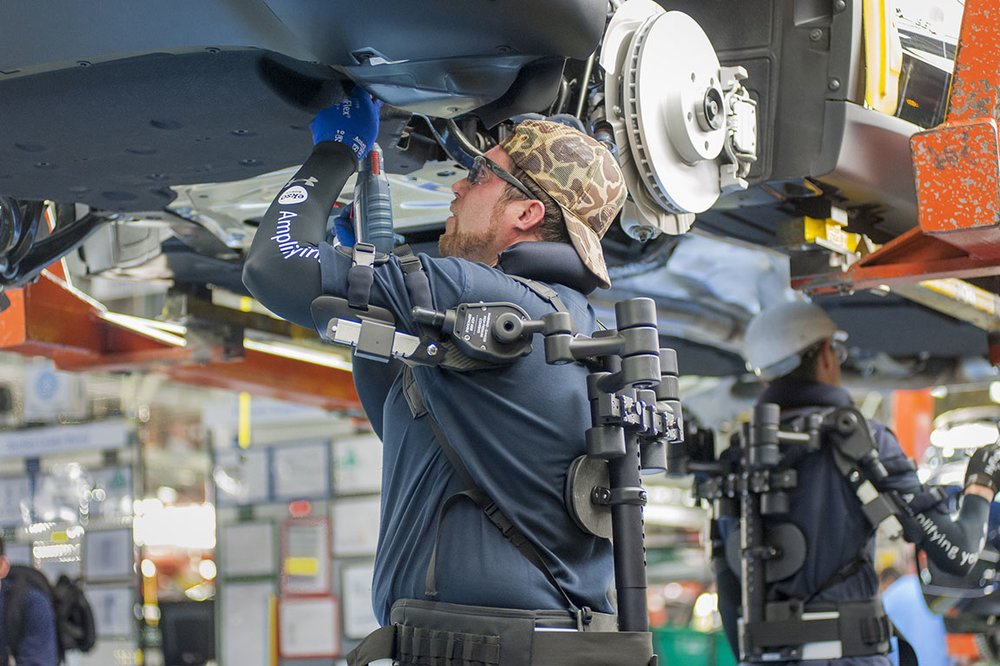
pixel 352 122
pixel 343 226
pixel 983 468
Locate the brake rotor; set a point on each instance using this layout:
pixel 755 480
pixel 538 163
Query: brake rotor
pixel 650 216
pixel 672 102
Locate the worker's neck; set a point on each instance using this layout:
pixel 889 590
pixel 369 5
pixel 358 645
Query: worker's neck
pixel 830 376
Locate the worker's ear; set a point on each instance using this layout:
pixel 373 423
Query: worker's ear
pixel 828 355
pixel 4 566
pixel 529 214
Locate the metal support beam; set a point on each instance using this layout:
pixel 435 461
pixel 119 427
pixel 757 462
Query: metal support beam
pixel 912 257
pixel 49 318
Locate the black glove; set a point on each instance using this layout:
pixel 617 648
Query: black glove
pixel 983 467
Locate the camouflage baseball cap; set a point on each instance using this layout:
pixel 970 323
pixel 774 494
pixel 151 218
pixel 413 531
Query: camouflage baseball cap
pixel 580 174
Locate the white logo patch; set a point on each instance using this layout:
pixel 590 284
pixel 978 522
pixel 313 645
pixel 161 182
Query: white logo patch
pixel 293 195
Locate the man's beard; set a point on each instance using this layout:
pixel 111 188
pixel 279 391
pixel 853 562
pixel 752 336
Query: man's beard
pixel 474 246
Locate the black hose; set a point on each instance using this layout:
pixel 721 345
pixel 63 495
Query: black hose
pixel 62 241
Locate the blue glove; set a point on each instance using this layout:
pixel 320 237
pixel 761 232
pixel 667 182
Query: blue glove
pixel 353 122
pixel 343 226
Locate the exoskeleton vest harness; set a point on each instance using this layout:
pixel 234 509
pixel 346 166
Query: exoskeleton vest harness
pixel 472 336
pixel 803 629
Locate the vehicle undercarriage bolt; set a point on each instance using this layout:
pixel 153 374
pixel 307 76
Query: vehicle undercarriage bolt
pixel 711 114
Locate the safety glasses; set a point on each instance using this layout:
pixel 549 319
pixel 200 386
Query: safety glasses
pixel 481 168
pixel 840 349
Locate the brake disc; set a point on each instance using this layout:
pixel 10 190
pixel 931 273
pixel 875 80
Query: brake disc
pixel 672 75
pixel 664 98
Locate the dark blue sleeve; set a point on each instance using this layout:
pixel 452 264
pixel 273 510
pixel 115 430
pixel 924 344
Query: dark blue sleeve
pixel 902 474
pixel 953 542
pixel 38 646
pixel 282 268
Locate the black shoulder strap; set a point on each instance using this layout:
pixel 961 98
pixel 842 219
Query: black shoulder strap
pixel 411 391
pixel 417 284
pixel 543 291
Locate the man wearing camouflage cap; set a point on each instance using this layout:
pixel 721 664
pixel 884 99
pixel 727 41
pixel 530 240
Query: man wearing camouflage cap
pixel 534 207
pixel 573 191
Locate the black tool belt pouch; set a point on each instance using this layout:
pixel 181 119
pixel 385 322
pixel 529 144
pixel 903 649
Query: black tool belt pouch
pixel 864 628
pixel 426 633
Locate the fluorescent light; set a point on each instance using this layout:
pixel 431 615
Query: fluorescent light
pixel 158 330
pixel 190 526
pixel 964 436
pixel 298 353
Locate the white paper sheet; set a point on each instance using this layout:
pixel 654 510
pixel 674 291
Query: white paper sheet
pixel 356 593
pixel 248 549
pixel 113 485
pixel 113 614
pixel 308 627
pixel 244 623
pixel 355 526
pixel 301 472
pixel 357 465
pixel 13 491
pixel 19 553
pixel 108 555
pixel 305 565
pixel 242 477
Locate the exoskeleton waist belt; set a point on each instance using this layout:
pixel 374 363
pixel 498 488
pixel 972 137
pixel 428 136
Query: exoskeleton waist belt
pixel 426 633
pixel 823 631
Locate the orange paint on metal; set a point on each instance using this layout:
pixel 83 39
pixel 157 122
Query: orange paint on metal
pixel 957 164
pixel 912 420
pixel 49 319
pixel 976 76
pixel 12 320
pixel 962 645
